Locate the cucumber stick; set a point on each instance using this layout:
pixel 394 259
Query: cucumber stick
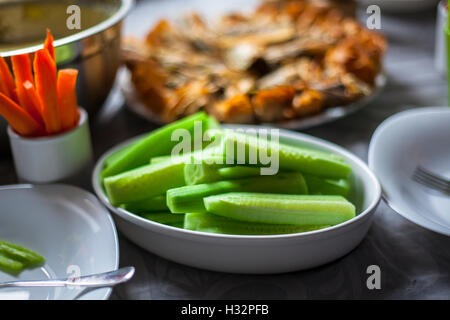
pixel 300 210
pixel 9 265
pixel 317 185
pixel 144 182
pixel 158 159
pixel 156 143
pixel 190 198
pixel 153 204
pixel 207 222
pixel 14 258
pixel 200 173
pixel 239 147
pixel 239 172
pixel 116 155
pixel 176 220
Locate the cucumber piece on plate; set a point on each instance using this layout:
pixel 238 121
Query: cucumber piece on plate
pixel 300 210
pixel 153 204
pixel 144 182
pixel 9 265
pixel 207 222
pixel 156 143
pixel 248 149
pixel 26 256
pixel 190 198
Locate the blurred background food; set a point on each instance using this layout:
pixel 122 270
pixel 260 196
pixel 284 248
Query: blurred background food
pixel 286 59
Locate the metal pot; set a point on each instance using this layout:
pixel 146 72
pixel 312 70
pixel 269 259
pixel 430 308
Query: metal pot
pixel 94 51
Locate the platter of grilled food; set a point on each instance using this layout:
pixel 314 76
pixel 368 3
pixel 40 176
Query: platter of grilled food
pixel 292 64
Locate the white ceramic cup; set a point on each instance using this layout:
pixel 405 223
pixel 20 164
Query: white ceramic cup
pixel 56 158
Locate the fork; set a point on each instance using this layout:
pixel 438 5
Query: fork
pixel 431 180
pixel 99 280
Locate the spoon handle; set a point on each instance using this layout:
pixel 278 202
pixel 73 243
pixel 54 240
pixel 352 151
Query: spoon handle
pixel 107 279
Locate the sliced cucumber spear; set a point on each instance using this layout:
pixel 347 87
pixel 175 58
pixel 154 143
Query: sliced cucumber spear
pixel 16 252
pixel 203 168
pixel 175 220
pixel 153 204
pixel 144 182
pixel 156 143
pixel 116 155
pixel 14 258
pixel 200 173
pixel 207 222
pixel 249 148
pixel 190 198
pixel 158 159
pixel 239 172
pixel 317 185
pixel 9 265
pixel 300 210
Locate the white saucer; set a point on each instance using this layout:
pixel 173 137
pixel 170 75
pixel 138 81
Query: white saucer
pixel 400 144
pixel 66 225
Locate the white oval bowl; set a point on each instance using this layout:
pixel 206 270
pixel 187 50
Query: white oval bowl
pixel 69 227
pixel 256 254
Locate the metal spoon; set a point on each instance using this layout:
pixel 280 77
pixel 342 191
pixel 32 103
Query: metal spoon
pixel 100 280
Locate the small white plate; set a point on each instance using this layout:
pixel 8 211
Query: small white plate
pixel 256 254
pixel 400 144
pixel 66 225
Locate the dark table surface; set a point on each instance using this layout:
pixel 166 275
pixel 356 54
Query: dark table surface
pixel 414 262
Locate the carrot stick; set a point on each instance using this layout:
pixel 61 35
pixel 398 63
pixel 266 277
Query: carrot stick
pixel 6 80
pixel 48 44
pixel 45 78
pixel 67 96
pixel 18 118
pixel 22 69
pixel 22 72
pixel 30 101
pixel 3 87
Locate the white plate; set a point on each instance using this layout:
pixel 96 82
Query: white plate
pixel 66 225
pixel 256 254
pixel 328 115
pixel 401 143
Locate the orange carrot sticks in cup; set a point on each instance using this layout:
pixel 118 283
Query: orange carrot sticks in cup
pixel 18 118
pixel 39 104
pixel 67 96
pixel 45 79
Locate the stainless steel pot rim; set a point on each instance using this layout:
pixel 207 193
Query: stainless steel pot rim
pixel 125 7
